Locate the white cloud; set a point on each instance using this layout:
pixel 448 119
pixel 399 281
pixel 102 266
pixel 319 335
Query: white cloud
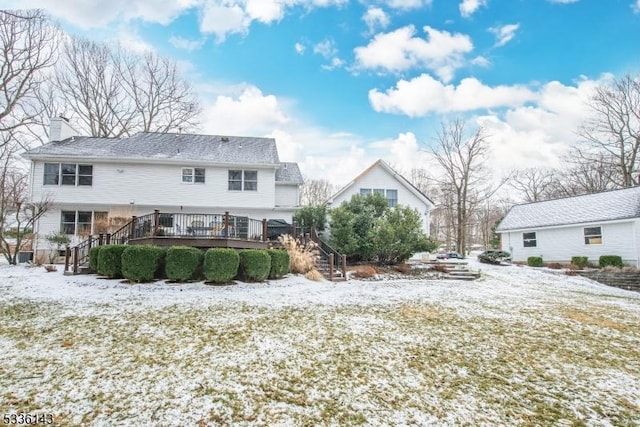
pixel 636 6
pixel 563 1
pixel 469 7
pixel 327 49
pixel 300 48
pixel 248 112
pixel 399 50
pixel 376 18
pixel 505 33
pixel 223 20
pixel 480 61
pixel 423 95
pixel 186 44
pixel 406 4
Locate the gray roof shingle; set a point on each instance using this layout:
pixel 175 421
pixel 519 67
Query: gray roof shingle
pixel 165 146
pixel 289 172
pixel 597 207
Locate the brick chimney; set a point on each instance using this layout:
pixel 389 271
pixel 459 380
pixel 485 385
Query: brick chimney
pixel 59 129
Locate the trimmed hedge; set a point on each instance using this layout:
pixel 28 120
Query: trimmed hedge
pixel 580 261
pixel 614 260
pixel 94 252
pixel 534 261
pixel 183 263
pixel 140 262
pixel 221 265
pixel 279 263
pixel 110 261
pixel 255 265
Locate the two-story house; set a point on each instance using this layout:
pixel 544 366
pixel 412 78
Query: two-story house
pixel 100 182
pixel 380 178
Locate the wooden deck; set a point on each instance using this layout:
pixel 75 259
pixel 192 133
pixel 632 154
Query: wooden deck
pixel 201 242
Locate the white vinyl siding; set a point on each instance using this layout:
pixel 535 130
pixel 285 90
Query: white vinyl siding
pixel 562 243
pixel 152 185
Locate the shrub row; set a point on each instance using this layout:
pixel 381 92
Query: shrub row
pixel 581 261
pixel 143 263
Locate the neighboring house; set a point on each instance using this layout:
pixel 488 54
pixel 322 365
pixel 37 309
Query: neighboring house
pixel 592 225
pixel 382 179
pixel 98 181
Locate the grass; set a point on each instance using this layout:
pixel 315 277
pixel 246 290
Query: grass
pixel 349 365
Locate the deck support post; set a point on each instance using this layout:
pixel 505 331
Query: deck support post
pixel 331 267
pixel 133 227
pixel 67 257
pixel 156 222
pixel 264 229
pixel 100 239
pixel 226 224
pixel 293 229
pixel 344 266
pixel 76 255
pixel 108 240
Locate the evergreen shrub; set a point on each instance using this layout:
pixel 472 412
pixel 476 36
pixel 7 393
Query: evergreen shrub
pixel 110 261
pixel 279 263
pixel 183 263
pixel 255 265
pixel 140 262
pixel 221 265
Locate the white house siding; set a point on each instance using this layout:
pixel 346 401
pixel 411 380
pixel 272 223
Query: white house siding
pixel 286 195
pixel 146 184
pixel 378 177
pixel 561 243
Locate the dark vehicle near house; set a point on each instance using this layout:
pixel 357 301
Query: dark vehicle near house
pixel 449 255
pixel 494 256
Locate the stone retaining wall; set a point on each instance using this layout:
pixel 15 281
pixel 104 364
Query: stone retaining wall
pixel 624 280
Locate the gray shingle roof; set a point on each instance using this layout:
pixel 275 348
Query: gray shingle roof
pixel 165 146
pixel 606 206
pixel 289 172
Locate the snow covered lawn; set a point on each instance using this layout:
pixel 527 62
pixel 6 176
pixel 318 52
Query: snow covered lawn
pixel 517 347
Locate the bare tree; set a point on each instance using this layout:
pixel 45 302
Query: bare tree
pixel 584 177
pixel 533 184
pixel 315 192
pixel 116 93
pixel 18 214
pixel 28 50
pixel 612 134
pixel 462 157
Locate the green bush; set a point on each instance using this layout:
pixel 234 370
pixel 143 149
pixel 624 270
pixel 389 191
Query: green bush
pixel 93 257
pixel 255 265
pixel 613 260
pixel 221 265
pixel 279 263
pixel 534 261
pixel 110 261
pixel 183 263
pixel 140 262
pixel 580 261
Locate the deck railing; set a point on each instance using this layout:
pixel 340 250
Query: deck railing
pixel 163 224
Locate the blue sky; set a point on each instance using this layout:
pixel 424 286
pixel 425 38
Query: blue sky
pixel 341 83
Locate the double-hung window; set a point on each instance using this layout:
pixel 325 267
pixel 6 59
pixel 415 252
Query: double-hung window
pixel 390 195
pixel 593 235
pixel 243 180
pixel 193 175
pixel 68 174
pixel 529 240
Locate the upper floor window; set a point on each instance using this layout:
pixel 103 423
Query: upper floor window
pixel 593 235
pixel 246 180
pixel 193 175
pixel 67 174
pixel 529 240
pixel 390 195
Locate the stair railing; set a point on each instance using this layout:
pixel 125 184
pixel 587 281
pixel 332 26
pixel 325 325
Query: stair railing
pixel 336 260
